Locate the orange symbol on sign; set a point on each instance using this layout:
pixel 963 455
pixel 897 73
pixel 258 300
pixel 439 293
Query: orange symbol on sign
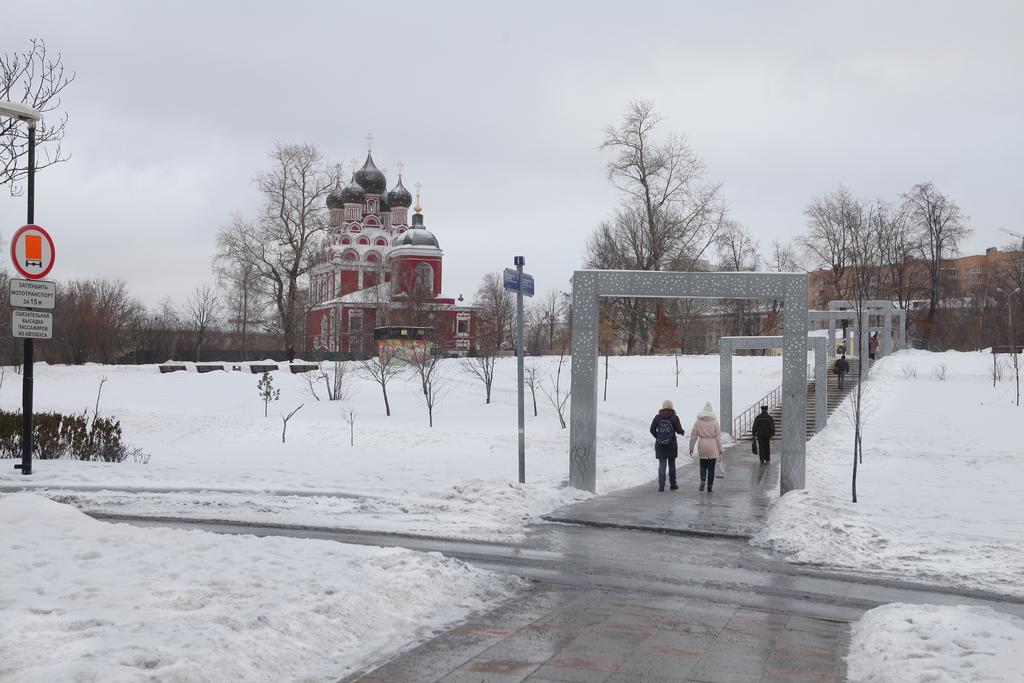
pixel 33 251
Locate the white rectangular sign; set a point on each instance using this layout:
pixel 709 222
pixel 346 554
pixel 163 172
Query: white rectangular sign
pixel 31 324
pixel 33 294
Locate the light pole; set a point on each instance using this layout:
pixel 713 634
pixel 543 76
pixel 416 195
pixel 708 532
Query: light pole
pixel 30 116
pixel 1013 348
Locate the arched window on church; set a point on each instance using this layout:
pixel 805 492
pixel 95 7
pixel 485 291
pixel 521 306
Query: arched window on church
pixel 350 255
pixel 372 257
pixel 345 239
pixel 381 242
pixel 364 240
pixel 425 277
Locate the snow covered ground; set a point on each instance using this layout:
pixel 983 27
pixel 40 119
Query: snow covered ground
pixel 901 643
pixel 85 600
pixel 940 488
pixel 214 454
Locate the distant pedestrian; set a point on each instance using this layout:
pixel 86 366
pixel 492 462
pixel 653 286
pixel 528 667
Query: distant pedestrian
pixel 873 346
pixel 841 367
pixel 841 349
pixel 763 430
pixel 707 435
pixel 664 428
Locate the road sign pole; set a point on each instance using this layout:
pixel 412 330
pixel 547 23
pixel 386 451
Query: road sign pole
pixel 520 262
pixel 27 362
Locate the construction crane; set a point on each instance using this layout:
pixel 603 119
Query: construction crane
pixel 1015 234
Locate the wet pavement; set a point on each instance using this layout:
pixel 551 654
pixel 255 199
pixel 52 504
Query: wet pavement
pixel 597 635
pixel 736 508
pixel 644 586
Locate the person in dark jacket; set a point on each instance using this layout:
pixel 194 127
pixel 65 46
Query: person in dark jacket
pixel 873 346
pixel 841 367
pixel 763 430
pixel 664 428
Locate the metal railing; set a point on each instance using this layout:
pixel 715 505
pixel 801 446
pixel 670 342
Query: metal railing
pixel 741 423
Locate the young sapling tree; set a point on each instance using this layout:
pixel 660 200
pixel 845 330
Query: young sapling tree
pixel 267 391
pixel 285 418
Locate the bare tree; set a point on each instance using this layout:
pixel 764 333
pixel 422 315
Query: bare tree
pixel 830 221
pixel 203 311
pixel 431 372
pixel 550 307
pixel 941 227
pixel 36 78
pixel 493 322
pixel 532 379
pixel 496 306
pixel 349 416
pixel 284 421
pixel 738 251
pixel 99 393
pixel 863 260
pixel 240 279
pixel 669 215
pixel 97 318
pixel 557 395
pixel 284 240
pixel 381 368
pixel 898 246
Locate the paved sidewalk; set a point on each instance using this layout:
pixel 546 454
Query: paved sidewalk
pixel 736 508
pixel 560 634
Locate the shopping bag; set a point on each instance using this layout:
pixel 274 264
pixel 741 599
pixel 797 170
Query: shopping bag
pixel 753 446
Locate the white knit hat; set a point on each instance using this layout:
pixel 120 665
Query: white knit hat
pixel 708 411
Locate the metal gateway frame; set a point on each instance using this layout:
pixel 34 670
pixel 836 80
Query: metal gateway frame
pixel 874 307
pixel 588 286
pixel 729 345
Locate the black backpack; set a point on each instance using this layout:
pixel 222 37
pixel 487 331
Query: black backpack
pixel 664 432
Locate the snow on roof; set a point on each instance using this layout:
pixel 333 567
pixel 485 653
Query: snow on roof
pixel 367 295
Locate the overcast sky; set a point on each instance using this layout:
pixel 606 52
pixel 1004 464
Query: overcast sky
pixel 498 110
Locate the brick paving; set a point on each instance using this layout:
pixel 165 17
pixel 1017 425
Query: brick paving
pixel 571 634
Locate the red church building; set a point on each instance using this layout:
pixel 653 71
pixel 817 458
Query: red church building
pixel 378 269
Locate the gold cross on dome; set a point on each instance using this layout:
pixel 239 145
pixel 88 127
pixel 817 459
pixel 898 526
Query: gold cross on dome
pixel 400 167
pixel 340 170
pixel 369 142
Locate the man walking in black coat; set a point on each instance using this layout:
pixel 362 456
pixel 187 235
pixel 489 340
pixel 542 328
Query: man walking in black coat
pixel 842 367
pixel 664 428
pixel 763 430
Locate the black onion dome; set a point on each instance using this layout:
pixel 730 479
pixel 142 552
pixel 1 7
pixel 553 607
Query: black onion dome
pixel 418 237
pixel 385 205
pixel 370 178
pixel 352 193
pixel 335 198
pixel 399 196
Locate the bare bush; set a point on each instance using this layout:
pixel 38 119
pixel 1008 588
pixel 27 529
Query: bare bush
pixel 285 418
pixel 909 371
pixel 940 372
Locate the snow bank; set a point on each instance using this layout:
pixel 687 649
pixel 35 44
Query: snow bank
pixel 215 455
pixel 940 487
pixel 901 643
pixel 86 600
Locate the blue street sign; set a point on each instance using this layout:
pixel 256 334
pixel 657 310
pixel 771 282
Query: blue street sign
pixel 511 281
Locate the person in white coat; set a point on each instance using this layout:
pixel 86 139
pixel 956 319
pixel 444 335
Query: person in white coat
pixel 707 436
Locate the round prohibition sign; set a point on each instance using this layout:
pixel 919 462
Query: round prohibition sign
pixel 32 252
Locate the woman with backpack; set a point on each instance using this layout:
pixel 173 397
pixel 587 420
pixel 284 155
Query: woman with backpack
pixel 664 428
pixel 707 435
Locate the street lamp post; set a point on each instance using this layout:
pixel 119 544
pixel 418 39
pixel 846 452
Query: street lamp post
pixel 1009 321
pixel 21 112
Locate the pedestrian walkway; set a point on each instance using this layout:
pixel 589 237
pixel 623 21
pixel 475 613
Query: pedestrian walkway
pixel 736 508
pixel 560 634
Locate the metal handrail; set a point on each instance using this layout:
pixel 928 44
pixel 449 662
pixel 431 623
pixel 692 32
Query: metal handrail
pixel 741 423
